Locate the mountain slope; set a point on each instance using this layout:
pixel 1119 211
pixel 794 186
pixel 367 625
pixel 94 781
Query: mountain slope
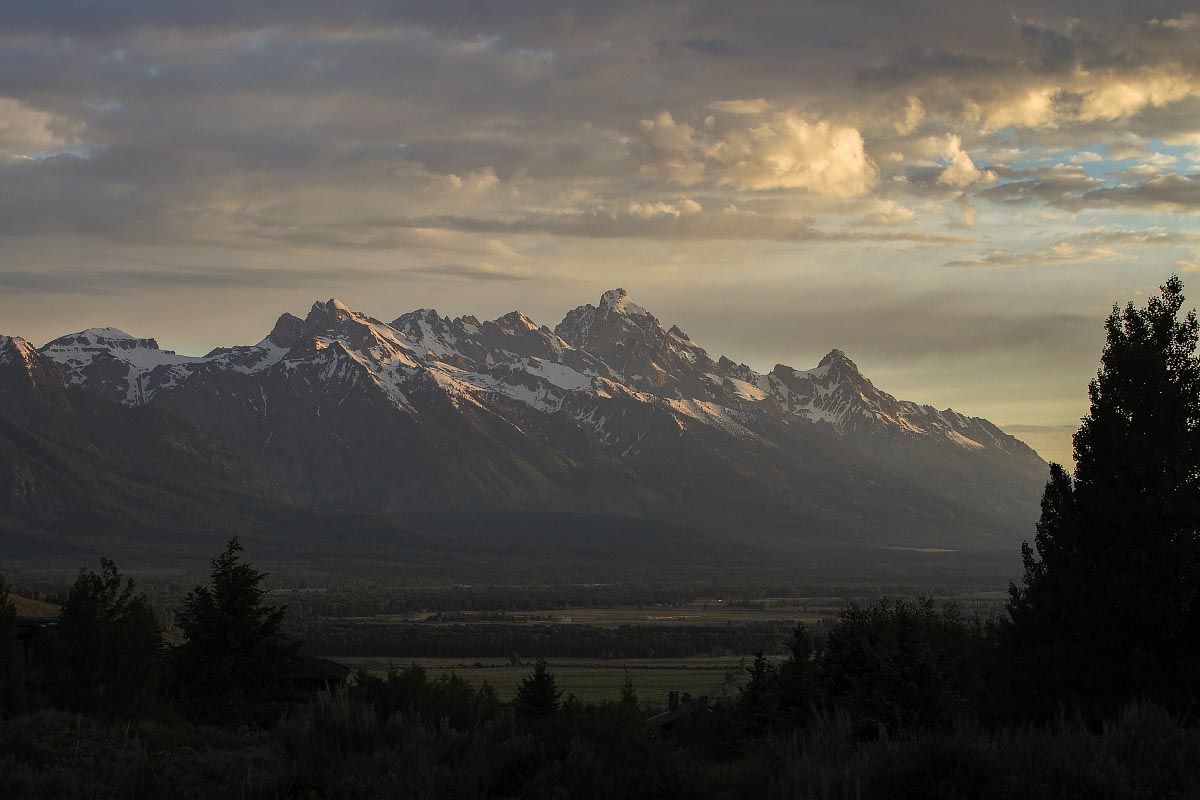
pixel 462 426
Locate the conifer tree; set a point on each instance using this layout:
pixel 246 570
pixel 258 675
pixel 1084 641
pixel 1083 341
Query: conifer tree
pixel 538 695
pixel 8 631
pixel 232 670
pixel 1109 608
pixel 105 655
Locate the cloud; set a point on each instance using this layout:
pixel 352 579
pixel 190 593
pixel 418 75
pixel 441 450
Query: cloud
pixel 476 182
pixel 755 106
pixel 1095 245
pixel 1058 253
pixel 663 221
pixel 1116 96
pixel 788 152
pixel 783 151
pixel 673 149
pixel 961 213
pixel 1190 264
pixel 29 133
pixel 912 117
pixel 1188 21
pixel 961 171
pixel 111 281
pixel 662 209
pixel 482 271
pixel 886 212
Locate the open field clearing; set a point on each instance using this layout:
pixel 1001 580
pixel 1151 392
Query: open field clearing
pixel 591 680
pixel 690 614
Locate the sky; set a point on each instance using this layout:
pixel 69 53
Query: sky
pixel 954 193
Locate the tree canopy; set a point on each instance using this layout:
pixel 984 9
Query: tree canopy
pixel 232 668
pixel 105 655
pixel 538 694
pixel 1109 607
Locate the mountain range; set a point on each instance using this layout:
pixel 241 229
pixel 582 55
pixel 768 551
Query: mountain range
pixel 436 441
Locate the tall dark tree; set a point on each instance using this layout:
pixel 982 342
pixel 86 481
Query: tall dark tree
pixel 538 695
pixel 105 655
pixel 903 665
pixel 1109 608
pixel 232 670
pixel 8 632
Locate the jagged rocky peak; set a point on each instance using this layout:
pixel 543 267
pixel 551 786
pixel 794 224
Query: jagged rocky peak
pixel 418 324
pixel 515 322
pixel 836 367
pixel 617 301
pixel 332 310
pixel 837 359
pixel 14 349
pixel 287 333
pixel 615 318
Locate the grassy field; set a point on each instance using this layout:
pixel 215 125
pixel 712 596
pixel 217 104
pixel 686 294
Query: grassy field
pixel 34 608
pixel 591 680
pixel 688 614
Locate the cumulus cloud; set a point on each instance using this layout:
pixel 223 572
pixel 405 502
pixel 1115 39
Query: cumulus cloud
pixel 27 132
pixel 1112 97
pixel 961 171
pixel 674 150
pixel 784 151
pixel 912 116
pixel 789 152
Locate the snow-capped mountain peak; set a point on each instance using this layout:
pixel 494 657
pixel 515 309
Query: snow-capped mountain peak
pixel 515 322
pixel 14 349
pixel 616 301
pixel 596 354
pixel 125 366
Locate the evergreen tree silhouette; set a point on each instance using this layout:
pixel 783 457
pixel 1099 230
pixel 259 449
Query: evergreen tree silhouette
pixel 1109 607
pixel 105 655
pixel 8 633
pixel 233 668
pixel 538 695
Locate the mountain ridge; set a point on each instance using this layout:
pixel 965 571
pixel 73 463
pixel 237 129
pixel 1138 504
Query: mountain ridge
pixel 442 422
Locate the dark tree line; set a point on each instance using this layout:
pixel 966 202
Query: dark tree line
pixel 107 655
pixel 1108 611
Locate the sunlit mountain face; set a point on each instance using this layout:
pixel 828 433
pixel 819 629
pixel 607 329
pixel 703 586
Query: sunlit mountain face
pixel 501 428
